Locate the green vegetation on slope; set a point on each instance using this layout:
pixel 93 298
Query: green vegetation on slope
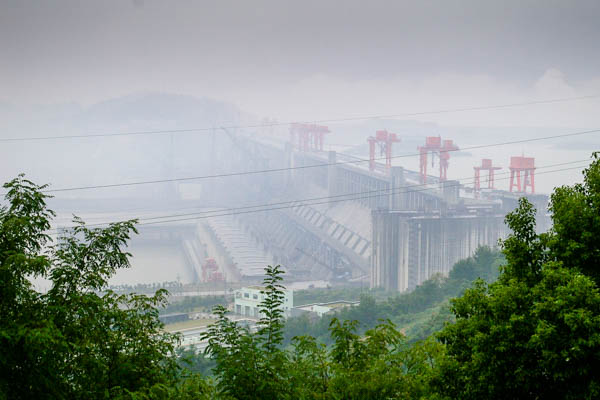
pixel 418 313
pixel 329 294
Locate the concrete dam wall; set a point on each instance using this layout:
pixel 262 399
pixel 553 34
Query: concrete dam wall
pixel 410 247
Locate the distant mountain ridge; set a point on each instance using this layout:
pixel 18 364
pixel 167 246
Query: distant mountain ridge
pixel 97 161
pixel 151 110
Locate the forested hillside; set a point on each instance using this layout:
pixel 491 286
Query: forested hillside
pixel 417 314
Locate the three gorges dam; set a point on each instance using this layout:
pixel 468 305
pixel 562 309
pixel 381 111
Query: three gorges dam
pixel 328 216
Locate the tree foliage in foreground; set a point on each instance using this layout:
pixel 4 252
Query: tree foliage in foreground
pixel 254 365
pixel 75 341
pixel 535 333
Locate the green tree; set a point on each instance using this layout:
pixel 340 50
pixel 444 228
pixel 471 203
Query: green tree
pixel 419 313
pixel 376 365
pixel 535 332
pixel 75 340
pixel 576 223
pixel 195 361
pixel 251 365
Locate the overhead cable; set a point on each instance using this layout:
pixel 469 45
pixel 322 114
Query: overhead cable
pixel 296 203
pixel 272 170
pixel 321 121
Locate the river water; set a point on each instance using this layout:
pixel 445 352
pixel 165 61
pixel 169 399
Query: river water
pixel 154 263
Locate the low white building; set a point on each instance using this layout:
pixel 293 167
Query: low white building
pixel 247 300
pixel 321 309
pixel 318 309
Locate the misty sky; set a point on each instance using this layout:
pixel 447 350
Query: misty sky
pixel 308 59
pixel 302 60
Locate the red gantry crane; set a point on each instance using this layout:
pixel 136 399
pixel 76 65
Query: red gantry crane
pixel 318 134
pixel 384 140
pixel 445 158
pixel 301 133
pixel 435 146
pixel 486 165
pixel 309 136
pixel 526 165
pixel 210 271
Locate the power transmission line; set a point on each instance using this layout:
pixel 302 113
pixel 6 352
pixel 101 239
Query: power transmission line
pixel 380 191
pixel 342 195
pixel 263 171
pixel 322 121
pixel 331 201
pixel 220 213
